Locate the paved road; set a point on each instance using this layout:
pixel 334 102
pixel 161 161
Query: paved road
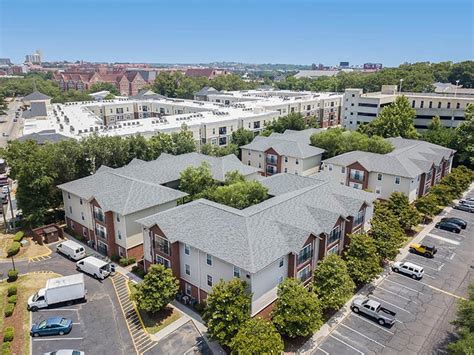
pixel 100 328
pixel 8 126
pixel 424 308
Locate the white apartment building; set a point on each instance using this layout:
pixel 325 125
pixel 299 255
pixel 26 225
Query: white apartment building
pixel 288 152
pixel 413 167
pixel 286 235
pixel 359 108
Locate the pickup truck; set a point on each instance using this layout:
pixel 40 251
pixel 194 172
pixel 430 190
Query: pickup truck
pixel 425 250
pixel 373 309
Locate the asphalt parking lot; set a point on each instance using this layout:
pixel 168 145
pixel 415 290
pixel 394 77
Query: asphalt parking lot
pixel 423 308
pixel 99 326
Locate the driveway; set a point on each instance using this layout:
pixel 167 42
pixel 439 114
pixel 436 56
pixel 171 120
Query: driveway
pixel 424 308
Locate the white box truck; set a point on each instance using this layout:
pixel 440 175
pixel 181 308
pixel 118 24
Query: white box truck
pixel 67 289
pixel 71 249
pixel 95 267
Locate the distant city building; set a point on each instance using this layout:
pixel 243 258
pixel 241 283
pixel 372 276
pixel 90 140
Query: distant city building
pixel 209 73
pixel 344 64
pixel 451 89
pixel 360 108
pixel 372 66
pixel 35 58
pixel 5 61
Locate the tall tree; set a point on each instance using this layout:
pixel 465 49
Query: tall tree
pixel 257 336
pixel 104 86
pixel 406 214
pixel 239 195
pixel 3 105
pixel 158 288
pixel 427 205
pixel 227 309
pixel 332 282
pixel 464 323
pixel 395 120
pixel 195 180
pixel 297 311
pixel 464 142
pixel 362 259
pixel 438 134
pixel 242 137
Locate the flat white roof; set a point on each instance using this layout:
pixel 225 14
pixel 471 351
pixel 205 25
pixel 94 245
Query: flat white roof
pixel 65 280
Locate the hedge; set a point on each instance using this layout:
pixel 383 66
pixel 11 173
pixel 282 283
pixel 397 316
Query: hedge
pixel 14 249
pixel 129 261
pixel 8 334
pixel 9 308
pixel 12 275
pixel 12 290
pixel 6 351
pixel 18 236
pixel 12 299
pixel 6 345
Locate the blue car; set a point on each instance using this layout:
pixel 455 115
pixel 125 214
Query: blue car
pixel 51 326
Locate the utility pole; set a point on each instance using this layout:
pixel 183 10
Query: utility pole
pixel 11 208
pixel 4 219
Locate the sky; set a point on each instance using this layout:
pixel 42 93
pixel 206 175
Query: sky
pixel 259 31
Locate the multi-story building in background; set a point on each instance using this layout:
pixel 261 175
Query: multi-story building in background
pixel 360 108
pixel 35 58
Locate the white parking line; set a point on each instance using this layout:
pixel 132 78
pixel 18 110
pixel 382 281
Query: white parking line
pixel 424 258
pixel 324 351
pixel 408 288
pixel 393 305
pixel 61 309
pixel 396 294
pixel 76 323
pixel 452 256
pixel 372 323
pixel 53 339
pixel 443 239
pixel 343 342
pixel 362 335
pixel 424 265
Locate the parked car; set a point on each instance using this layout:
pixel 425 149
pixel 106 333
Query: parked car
pixel 71 249
pixel 407 268
pixel 464 207
pixel 448 226
pixel 65 352
pixel 373 309
pixel 425 250
pixel 467 202
pixel 459 221
pixel 95 267
pixel 5 189
pixel 51 326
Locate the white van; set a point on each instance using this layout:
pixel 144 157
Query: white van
pixel 94 267
pixel 71 249
pixel 407 268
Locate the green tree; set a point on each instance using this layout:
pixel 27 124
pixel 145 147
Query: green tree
pixel 239 195
pixel 297 311
pixel 3 105
pixel 386 232
pixel 159 287
pixel 216 151
pixel 332 282
pixel 195 180
pixel 103 86
pixel 406 214
pixel 257 336
pixel 464 323
pixel 464 139
pixel 395 120
pixel 427 205
pixel 293 121
pixel 227 309
pixel 233 176
pixel 242 137
pixel 438 134
pixel 183 142
pixel 362 259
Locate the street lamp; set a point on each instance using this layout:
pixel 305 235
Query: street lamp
pixel 400 86
pixel 456 89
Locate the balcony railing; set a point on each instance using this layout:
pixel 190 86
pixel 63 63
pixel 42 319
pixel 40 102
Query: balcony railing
pixel 101 233
pixel 304 276
pixel 99 216
pixel 334 236
pixel 302 258
pixel 271 171
pixel 358 177
pixel 272 161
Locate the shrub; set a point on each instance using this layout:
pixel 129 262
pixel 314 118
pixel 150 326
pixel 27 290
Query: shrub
pixel 12 299
pixel 126 262
pixel 14 249
pixel 12 275
pixel 6 352
pixel 137 270
pixel 18 236
pixel 12 290
pixel 8 334
pixel 199 307
pixel 9 308
pixel 115 258
pixel 6 345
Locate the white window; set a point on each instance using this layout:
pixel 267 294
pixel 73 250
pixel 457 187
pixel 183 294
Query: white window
pixel 379 177
pixel 187 269
pixel 68 195
pixel 80 201
pixel 236 272
pixel 378 190
pixel 343 169
pixel 118 217
pixel 165 262
pixel 82 216
pixel 209 280
pixel 333 250
pixel 84 231
pixel 286 170
pixel 297 162
pixel 70 209
pixel 186 249
pixel 282 262
pixel 397 180
pixel 209 259
pixel 119 235
pixel 330 167
pixel 304 274
pixel 188 289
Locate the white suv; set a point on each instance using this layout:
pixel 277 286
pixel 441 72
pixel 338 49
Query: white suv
pixel 410 269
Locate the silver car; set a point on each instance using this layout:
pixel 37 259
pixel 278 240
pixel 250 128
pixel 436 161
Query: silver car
pixel 464 207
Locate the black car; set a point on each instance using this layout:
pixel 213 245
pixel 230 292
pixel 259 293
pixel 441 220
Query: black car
pixel 449 226
pixel 460 222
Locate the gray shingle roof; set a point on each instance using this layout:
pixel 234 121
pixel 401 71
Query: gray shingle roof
pixel 410 158
pixel 206 90
pixel 138 185
pixel 291 143
pixel 260 234
pixel 36 95
pixel 43 137
pixel 37 109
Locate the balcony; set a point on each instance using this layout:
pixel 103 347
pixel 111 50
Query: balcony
pixel 304 275
pixel 271 160
pixel 334 236
pixel 304 257
pixel 100 233
pixel 271 170
pixel 357 177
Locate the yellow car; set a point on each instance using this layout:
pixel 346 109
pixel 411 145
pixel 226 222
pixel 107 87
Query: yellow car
pixel 425 250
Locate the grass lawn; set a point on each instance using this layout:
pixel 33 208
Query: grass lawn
pixel 20 320
pixel 155 322
pixel 29 251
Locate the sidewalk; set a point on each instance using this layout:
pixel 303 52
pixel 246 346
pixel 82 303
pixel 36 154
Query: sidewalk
pixel 328 327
